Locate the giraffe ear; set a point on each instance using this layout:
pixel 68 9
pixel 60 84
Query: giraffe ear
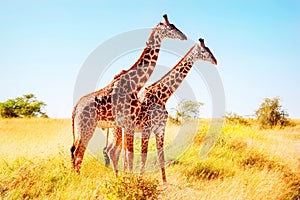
pixel 166 19
pixel 202 42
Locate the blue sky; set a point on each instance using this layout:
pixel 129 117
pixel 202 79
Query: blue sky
pixel 45 43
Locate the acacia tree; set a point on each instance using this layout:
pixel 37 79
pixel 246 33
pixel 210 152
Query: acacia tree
pixel 186 109
pixel 271 114
pixel 25 106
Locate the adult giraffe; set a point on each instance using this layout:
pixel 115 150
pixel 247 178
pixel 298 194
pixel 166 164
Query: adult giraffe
pixel 153 115
pixel 100 107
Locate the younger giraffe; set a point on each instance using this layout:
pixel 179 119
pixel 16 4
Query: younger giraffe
pixel 153 115
pixel 100 107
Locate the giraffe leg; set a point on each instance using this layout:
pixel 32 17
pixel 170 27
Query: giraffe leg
pixel 160 153
pixel 128 151
pixel 114 149
pixel 144 150
pixel 86 132
pixel 106 157
pixel 78 156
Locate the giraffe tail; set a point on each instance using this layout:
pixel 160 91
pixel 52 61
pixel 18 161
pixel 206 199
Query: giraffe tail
pixel 73 148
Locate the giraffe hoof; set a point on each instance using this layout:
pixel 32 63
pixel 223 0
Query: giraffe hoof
pixel 164 186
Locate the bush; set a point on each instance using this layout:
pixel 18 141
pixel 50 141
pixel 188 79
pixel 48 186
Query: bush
pixel 271 114
pixel 186 109
pixel 131 187
pixel 234 118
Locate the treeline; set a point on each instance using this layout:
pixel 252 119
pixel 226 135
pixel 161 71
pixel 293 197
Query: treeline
pixel 270 114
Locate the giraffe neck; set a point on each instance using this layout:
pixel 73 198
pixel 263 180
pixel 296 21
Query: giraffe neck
pixel 147 61
pixel 136 77
pixel 168 84
pixel 128 84
pixel 154 40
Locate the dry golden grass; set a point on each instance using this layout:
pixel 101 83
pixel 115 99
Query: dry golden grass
pixel 246 163
pixel 34 137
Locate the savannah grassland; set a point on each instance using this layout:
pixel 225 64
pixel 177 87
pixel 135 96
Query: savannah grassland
pixel 246 163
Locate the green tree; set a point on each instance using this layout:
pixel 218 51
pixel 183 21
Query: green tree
pixel 271 114
pixel 25 106
pixel 186 109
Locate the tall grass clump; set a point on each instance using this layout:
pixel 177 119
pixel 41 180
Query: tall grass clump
pixel 208 169
pixel 32 178
pixel 130 187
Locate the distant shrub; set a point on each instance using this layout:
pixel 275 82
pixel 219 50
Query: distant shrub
pixel 172 120
pixel 234 118
pixel 131 187
pixel 271 114
pixel 186 109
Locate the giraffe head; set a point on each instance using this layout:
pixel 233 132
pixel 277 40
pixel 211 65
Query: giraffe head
pixel 201 52
pixel 167 30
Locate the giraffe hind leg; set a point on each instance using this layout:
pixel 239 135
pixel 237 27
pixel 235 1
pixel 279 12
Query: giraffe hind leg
pixel 78 156
pixel 81 145
pixel 114 149
pixel 106 157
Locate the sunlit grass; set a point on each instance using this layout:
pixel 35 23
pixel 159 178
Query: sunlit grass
pixel 34 137
pixel 246 163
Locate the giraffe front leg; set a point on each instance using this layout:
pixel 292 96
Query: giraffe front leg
pixel 128 151
pixel 144 150
pixel 160 153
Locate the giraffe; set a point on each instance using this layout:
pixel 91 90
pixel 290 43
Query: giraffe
pixel 125 101
pixel 153 115
pixel 97 108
